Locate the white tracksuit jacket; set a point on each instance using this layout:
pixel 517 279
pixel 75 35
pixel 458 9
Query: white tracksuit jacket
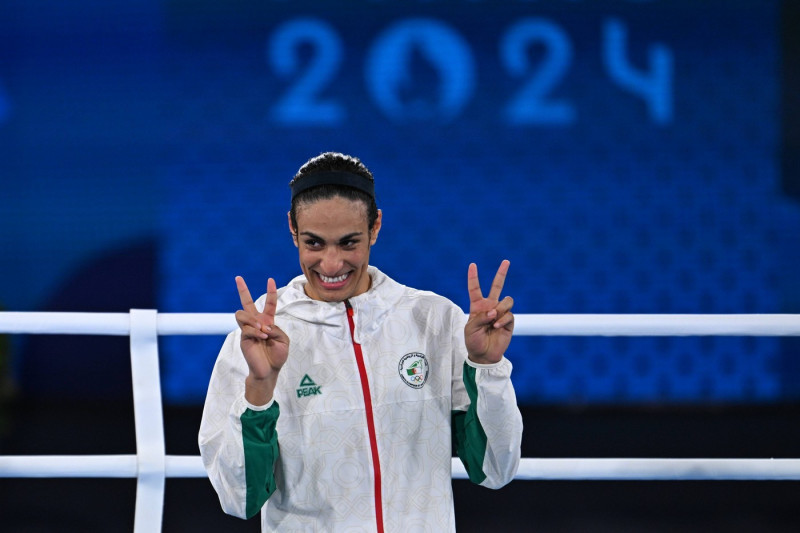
pixel 367 411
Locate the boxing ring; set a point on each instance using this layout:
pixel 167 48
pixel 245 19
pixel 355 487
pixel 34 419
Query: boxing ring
pixel 151 465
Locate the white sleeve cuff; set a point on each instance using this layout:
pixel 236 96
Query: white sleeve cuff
pixel 258 407
pixel 501 362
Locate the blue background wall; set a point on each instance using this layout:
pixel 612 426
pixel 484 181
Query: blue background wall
pixel 624 155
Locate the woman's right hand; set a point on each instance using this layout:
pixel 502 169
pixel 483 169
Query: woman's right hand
pixel 264 345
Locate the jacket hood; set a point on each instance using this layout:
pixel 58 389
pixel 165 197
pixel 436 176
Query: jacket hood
pixel 370 308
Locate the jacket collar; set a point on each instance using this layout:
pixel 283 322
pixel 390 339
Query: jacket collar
pixel 370 308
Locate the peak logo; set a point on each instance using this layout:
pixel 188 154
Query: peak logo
pixel 307 387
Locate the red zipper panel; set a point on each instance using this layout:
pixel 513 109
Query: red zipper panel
pixel 373 441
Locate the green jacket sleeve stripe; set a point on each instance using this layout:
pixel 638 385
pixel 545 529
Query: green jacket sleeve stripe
pixel 260 441
pixel 469 438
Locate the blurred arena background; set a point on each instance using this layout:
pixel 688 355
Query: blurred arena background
pixel 627 156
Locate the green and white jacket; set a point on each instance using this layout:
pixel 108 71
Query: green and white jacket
pixel 376 394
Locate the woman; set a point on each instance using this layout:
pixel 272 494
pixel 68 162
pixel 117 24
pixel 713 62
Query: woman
pixel 337 403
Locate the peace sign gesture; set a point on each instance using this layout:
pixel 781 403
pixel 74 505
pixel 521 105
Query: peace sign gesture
pixel 488 330
pixel 264 345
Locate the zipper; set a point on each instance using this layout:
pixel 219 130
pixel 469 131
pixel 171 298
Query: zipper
pixel 373 441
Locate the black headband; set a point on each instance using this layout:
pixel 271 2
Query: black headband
pixel 334 177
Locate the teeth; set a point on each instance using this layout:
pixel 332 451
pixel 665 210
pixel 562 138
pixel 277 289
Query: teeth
pixel 337 279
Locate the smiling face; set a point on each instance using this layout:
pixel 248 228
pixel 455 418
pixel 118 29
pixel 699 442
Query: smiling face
pixel 334 241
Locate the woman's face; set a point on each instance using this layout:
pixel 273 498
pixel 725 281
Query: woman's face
pixel 334 241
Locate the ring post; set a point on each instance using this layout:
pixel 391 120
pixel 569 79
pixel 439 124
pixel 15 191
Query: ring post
pixel 148 417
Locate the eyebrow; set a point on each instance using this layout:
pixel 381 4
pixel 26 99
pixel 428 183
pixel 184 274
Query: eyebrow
pixel 341 239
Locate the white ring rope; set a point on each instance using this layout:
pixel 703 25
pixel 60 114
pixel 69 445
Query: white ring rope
pixel 151 465
pixel 577 469
pixel 92 466
pixel 617 325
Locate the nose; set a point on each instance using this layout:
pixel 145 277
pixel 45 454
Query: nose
pixel 331 261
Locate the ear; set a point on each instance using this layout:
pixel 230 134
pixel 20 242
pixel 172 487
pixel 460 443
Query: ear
pixel 376 227
pixel 292 229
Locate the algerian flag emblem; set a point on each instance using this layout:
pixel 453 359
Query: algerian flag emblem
pixel 413 369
